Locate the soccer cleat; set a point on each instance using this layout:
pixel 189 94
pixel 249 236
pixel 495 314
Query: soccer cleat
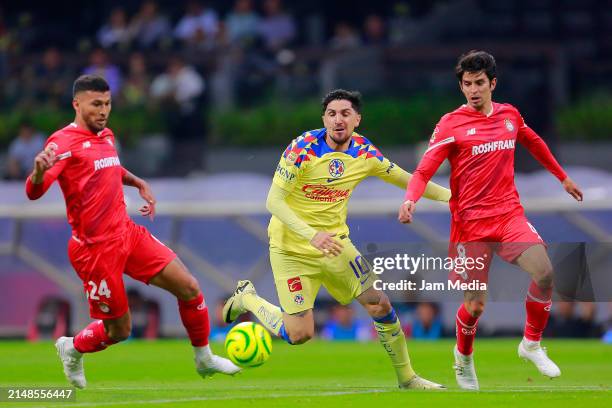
pixel 465 373
pixel 215 364
pixel 418 383
pixel 535 353
pixel 72 361
pixel 233 307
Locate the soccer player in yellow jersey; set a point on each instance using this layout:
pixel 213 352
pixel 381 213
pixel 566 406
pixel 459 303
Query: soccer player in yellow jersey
pixel 309 244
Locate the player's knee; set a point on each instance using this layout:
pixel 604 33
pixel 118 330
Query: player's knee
pixel 190 290
pixel 475 308
pixel 544 278
pixel 381 309
pixel 119 332
pixel 301 336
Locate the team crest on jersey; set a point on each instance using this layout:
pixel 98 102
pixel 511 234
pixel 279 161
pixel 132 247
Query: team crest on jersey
pixel 299 299
pixel 509 125
pixel 291 158
pixel 110 142
pixel 336 168
pixel 52 146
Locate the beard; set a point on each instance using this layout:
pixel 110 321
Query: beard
pixel 339 139
pixel 94 126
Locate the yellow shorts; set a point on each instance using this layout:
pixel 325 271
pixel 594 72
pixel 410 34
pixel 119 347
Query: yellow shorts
pixel 298 277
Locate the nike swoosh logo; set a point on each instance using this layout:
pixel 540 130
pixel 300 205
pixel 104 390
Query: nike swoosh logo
pixel 331 179
pixel 395 334
pixel 364 280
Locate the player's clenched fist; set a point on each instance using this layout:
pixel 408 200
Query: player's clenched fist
pixel 43 162
pixel 405 212
pixel 325 242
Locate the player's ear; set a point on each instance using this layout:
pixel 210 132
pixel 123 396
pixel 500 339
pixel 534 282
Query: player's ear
pixel 358 120
pixel 75 103
pixel 493 84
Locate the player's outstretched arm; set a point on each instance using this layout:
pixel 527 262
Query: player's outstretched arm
pixel 277 205
pixel 400 178
pixel 148 209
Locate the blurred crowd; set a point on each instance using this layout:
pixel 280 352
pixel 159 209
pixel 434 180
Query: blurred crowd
pixel 173 66
pixel 134 49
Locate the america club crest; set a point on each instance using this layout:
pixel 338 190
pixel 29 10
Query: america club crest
pixel 336 168
pixel 299 299
pixel 509 125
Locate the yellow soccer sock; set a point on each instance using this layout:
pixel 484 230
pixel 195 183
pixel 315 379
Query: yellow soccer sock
pixel 393 340
pixel 268 314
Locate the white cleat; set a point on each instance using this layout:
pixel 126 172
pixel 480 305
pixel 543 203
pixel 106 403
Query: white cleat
pixel 534 352
pixel 465 372
pixel 215 364
pixel 72 361
pixel 233 307
pixel 418 383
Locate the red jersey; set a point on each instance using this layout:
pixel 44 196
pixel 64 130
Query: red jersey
pixel 480 149
pixel 90 176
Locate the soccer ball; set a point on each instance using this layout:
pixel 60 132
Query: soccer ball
pixel 248 344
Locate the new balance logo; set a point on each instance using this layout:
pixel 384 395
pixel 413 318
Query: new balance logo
pixel 470 132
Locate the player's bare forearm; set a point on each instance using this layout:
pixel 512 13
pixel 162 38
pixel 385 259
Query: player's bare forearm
pixel 131 180
pixel 145 192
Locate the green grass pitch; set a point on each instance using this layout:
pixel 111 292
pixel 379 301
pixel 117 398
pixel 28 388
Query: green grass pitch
pixel 317 374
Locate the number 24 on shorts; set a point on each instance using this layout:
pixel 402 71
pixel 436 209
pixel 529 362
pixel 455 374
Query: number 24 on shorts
pixel 96 291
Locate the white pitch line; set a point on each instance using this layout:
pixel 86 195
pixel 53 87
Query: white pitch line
pixel 492 390
pixel 221 398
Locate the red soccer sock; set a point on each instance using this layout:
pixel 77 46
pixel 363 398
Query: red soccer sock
pixel 537 305
pixel 92 338
pixel 194 315
pixel 466 330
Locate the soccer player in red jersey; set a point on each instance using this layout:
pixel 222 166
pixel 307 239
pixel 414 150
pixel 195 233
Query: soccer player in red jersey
pixel 478 139
pixel 105 242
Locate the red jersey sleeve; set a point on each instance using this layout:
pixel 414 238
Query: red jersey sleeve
pixel 538 149
pixel 440 145
pixel 62 152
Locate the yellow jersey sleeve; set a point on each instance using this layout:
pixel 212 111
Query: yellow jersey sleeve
pixel 394 174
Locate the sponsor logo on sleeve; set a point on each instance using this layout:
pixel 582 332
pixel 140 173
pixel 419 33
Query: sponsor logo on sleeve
pixel 285 174
pixel 434 134
pixel 294 284
pixel 291 158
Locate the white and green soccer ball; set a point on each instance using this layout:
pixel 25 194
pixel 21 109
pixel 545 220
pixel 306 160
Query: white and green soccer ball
pixel 248 344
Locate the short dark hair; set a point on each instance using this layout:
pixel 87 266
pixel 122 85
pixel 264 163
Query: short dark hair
pixel 89 83
pixel 476 61
pixel 354 97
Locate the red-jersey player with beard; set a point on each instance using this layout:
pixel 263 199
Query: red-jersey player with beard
pixel 105 242
pixel 479 139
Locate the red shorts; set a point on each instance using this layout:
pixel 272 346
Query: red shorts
pixel 472 243
pixel 101 266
